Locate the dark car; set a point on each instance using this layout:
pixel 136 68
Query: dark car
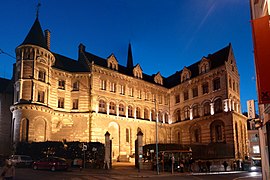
pixel 21 160
pixel 51 163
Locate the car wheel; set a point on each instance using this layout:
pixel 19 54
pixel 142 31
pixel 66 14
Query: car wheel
pixel 52 168
pixel 35 167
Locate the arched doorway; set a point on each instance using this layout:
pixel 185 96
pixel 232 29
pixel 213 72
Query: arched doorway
pixel 114 131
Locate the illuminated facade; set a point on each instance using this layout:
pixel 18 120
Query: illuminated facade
pixel 58 98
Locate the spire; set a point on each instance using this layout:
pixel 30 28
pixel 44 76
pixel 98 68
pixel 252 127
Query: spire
pixel 36 36
pixel 129 58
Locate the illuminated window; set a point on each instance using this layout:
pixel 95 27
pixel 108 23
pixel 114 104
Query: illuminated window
pixel 256 149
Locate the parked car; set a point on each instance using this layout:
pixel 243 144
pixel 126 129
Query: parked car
pixel 21 160
pixel 51 163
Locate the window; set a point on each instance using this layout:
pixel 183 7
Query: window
pixel 61 84
pixel 177 98
pixel 122 89
pixel 121 110
pixel 160 117
pixel 139 95
pixel 186 113
pixel 205 88
pixel 130 111
pixel 195 92
pixel 166 118
pixel 61 102
pixel 153 114
pixel 146 114
pixel 75 104
pixel 233 86
pixel 216 84
pixel 160 99
pixel 178 115
pixel 103 84
pixel 40 97
pixel 112 87
pixel 138 112
pixel 166 99
pixel 127 135
pixel 186 95
pixel 102 106
pixel 230 83
pixel 41 75
pixel 217 131
pixel 112 108
pixel 195 111
pixel 75 86
pixel 218 106
pixel 130 91
pixel 206 108
pixel 197 135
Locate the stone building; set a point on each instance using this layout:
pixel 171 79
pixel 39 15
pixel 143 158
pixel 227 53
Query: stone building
pixel 58 98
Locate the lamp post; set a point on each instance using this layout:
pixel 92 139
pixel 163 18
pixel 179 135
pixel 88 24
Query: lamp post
pixel 156 136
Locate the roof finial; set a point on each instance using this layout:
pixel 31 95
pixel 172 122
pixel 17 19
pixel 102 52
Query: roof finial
pixel 37 13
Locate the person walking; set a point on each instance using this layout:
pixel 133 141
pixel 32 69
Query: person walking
pixel 8 172
pixel 225 164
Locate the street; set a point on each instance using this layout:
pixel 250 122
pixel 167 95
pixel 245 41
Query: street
pixel 127 173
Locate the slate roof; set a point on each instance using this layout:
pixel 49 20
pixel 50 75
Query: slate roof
pixel 68 64
pixel 36 36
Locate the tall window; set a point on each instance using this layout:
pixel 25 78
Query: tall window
pixel 130 91
pixel 178 115
pixel 121 110
pixel 216 84
pixel 186 113
pixel 130 111
pixel 195 91
pixel 205 88
pixel 146 114
pixel 206 108
pixel 102 106
pixel 40 97
pixel 41 75
pixel 160 117
pixel 103 84
pixel 197 135
pixel 127 135
pixel 153 114
pixel 61 102
pixel 75 104
pixel 177 98
pixel 186 95
pixel 166 118
pixel 167 100
pixel 139 94
pixel 61 84
pixel 195 111
pixel 160 99
pixel 217 131
pixel 218 105
pixel 112 87
pixel 75 86
pixel 122 89
pixel 112 108
pixel 138 112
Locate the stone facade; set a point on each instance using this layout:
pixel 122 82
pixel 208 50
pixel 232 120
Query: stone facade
pixel 58 98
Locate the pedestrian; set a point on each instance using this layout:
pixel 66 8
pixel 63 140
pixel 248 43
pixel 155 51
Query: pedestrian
pixel 8 172
pixel 181 166
pixel 208 165
pixel 225 164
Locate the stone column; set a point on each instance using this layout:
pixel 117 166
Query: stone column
pixel 107 158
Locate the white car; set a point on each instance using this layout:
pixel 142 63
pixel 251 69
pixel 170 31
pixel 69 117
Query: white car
pixel 21 160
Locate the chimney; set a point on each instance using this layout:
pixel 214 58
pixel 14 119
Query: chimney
pixel 48 38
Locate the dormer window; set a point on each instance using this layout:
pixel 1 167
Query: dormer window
pixel 112 62
pixel 204 65
pixel 158 79
pixel 137 71
pixel 185 74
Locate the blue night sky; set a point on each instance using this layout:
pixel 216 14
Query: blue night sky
pixel 165 35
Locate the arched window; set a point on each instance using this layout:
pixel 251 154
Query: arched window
pixel 153 115
pixel 160 117
pixel 177 115
pixel 138 112
pixel 217 131
pixel 130 111
pixel 112 108
pixel 186 113
pixel 195 111
pixel 206 108
pixel 218 106
pixel 121 110
pixel 102 106
pixel 146 114
pixel 166 118
pixel 195 134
